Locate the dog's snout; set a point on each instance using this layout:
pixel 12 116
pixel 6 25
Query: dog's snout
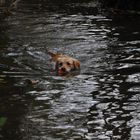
pixel 63 69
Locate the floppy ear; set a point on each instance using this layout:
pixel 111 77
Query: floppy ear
pixel 56 65
pixel 76 64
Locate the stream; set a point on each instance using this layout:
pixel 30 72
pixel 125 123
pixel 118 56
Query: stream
pixel 100 103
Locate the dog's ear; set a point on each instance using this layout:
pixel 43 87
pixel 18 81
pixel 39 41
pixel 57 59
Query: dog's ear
pixel 56 65
pixel 76 64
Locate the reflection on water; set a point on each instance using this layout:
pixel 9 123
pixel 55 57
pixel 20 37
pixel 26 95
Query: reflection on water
pixel 102 102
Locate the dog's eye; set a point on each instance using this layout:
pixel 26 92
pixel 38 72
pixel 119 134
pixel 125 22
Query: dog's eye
pixel 60 64
pixel 68 63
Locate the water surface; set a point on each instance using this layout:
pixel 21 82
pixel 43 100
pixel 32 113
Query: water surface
pixel 102 102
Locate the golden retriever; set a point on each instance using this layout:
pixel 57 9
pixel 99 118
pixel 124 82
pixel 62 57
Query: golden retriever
pixel 64 64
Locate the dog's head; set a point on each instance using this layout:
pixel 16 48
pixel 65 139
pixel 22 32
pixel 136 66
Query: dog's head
pixel 66 65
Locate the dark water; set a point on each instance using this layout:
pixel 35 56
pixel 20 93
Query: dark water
pixel 101 103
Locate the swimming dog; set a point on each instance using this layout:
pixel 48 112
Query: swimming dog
pixel 64 64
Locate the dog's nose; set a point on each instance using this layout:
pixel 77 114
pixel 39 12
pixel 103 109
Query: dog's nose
pixel 63 69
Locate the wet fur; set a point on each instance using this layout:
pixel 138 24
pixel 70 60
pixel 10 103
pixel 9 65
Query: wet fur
pixel 64 63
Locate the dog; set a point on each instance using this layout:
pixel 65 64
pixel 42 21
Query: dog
pixel 64 64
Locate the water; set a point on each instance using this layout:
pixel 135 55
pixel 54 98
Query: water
pixel 101 103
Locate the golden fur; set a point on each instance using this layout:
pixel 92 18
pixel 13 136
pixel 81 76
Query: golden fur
pixel 64 64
